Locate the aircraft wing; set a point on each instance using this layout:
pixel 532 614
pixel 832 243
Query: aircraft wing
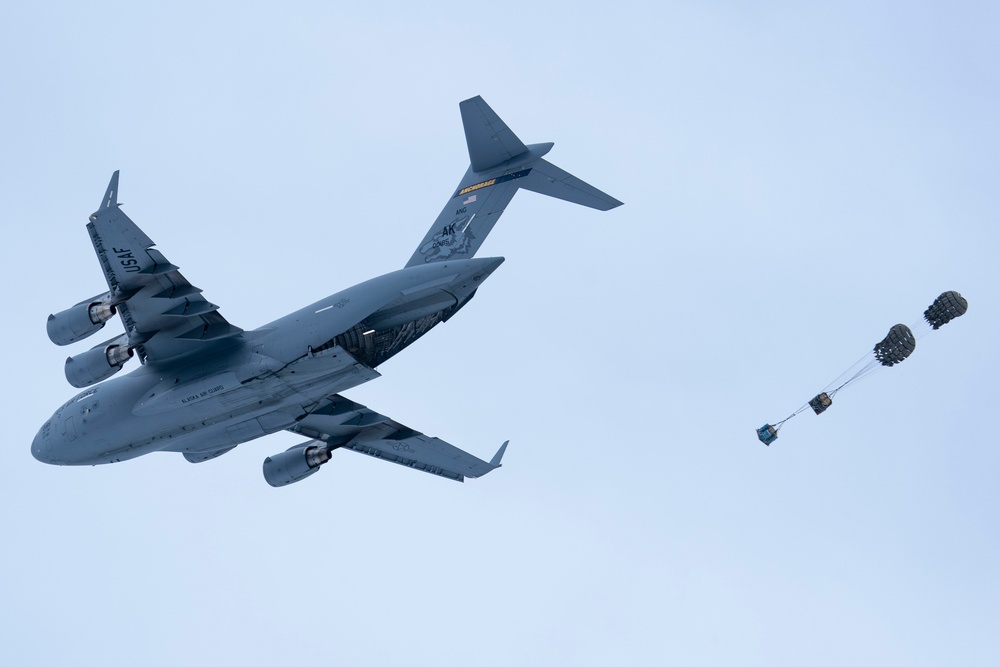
pixel 342 423
pixel 165 316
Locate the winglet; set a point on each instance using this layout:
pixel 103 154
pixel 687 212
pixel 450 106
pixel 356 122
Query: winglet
pixel 495 461
pixel 111 196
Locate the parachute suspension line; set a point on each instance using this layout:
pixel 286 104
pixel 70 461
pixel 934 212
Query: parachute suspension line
pixel 768 433
pixel 870 368
pixel 777 425
pixel 920 328
pixel 852 373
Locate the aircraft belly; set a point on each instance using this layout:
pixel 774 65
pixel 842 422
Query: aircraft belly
pixel 170 395
pixel 225 435
pixel 214 412
pixel 264 405
pixel 108 424
pixel 324 373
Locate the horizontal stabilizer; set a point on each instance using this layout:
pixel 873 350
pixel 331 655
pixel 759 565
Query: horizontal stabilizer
pixel 490 141
pixel 547 179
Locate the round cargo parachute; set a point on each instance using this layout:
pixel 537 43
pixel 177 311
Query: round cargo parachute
pixel 897 345
pixel 945 308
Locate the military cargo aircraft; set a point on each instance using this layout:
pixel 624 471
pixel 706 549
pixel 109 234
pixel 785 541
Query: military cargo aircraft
pixel 205 385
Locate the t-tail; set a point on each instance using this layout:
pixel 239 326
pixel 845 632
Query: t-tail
pixel 501 164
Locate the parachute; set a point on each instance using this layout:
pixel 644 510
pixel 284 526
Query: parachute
pixel 895 348
pixel 897 345
pixel 945 308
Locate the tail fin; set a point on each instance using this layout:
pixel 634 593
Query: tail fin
pixel 500 164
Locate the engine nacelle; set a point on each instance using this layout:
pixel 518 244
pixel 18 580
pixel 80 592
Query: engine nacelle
pixel 82 320
pixel 295 464
pixel 98 363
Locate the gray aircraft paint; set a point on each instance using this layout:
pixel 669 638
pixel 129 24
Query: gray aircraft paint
pixel 205 386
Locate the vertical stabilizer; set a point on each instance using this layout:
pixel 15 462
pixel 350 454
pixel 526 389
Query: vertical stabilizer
pixel 500 163
pixel 489 139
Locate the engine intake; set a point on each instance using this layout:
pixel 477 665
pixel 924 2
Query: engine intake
pixel 295 464
pixel 98 363
pixel 82 320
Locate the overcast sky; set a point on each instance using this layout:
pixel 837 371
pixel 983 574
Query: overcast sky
pixel 797 178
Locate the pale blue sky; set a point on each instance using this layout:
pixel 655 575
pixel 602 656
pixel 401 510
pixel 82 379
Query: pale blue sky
pixel 798 177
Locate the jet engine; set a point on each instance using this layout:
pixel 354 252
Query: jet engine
pixel 98 363
pixel 295 464
pixel 84 319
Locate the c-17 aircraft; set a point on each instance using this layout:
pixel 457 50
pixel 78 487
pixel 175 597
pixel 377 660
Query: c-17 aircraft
pixel 205 386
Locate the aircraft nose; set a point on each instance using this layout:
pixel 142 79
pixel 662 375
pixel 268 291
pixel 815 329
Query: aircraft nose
pixel 41 448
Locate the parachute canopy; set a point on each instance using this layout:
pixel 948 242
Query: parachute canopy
pixel 898 344
pixel 945 308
